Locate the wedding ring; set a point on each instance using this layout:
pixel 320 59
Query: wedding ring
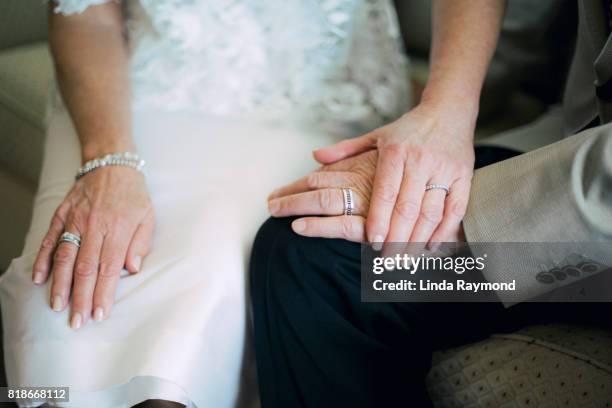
pixel 349 203
pixel 70 237
pixel 437 187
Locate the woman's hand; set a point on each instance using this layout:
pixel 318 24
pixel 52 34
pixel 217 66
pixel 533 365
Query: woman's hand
pixel 110 209
pixel 428 145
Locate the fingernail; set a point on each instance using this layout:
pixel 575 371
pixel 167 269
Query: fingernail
pixel 76 321
pixel 298 225
pixel 38 278
pixel 99 314
pixel 137 263
pixel 273 194
pixel 377 242
pixel 273 206
pixel 57 304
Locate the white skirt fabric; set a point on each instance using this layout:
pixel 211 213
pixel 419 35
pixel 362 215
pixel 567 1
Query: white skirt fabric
pixel 178 328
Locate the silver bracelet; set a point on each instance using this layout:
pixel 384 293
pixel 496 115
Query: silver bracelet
pixel 126 159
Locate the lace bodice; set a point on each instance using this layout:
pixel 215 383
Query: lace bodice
pixel 322 60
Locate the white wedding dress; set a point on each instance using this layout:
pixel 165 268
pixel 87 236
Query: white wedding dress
pixel 229 99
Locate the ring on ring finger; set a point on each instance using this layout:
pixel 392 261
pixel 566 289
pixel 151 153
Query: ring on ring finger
pixel 437 186
pixel 349 201
pixel 70 238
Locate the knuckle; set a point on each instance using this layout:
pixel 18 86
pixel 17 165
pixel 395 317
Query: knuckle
pixel 415 153
pixel 47 243
pixel 407 209
pixel 392 149
pixel 346 227
pixel 109 222
pixel 432 214
pixel 56 223
pixel 109 268
pixel 62 258
pixel 459 208
pixel 85 268
pixel 386 192
pixel 149 219
pixel 94 220
pixel 394 157
pixel 60 212
pixel 312 180
pixel 78 218
pixel 284 205
pixel 325 199
pixel 126 225
pixel 102 221
pixel 433 162
pixel 120 222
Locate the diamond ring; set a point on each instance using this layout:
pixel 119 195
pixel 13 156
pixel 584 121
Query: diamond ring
pixel 437 187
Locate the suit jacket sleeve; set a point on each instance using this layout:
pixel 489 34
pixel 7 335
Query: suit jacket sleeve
pixel 559 193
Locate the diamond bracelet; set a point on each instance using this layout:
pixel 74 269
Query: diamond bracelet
pixel 126 159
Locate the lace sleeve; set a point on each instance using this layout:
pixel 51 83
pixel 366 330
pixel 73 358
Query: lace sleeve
pixel 76 6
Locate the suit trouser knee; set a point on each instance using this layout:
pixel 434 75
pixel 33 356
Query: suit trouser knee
pixel 317 343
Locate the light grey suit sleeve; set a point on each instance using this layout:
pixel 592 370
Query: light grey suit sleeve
pixel 559 193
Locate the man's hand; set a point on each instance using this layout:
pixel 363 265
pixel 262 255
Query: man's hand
pixel 429 145
pixel 319 193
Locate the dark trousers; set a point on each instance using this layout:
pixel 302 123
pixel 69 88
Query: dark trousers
pixel 318 345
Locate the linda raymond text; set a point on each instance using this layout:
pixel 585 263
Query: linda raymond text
pixel 426 285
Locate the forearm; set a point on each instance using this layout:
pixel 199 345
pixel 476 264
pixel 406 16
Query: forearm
pixel 464 38
pixel 91 65
pixel 556 197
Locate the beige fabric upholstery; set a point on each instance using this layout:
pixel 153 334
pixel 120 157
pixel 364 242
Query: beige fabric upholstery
pixel 539 366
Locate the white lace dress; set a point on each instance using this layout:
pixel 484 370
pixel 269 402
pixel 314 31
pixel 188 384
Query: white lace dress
pixel 229 99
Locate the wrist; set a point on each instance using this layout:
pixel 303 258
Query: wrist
pixel 452 104
pixel 454 116
pixel 122 159
pixel 90 151
pixel 454 100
